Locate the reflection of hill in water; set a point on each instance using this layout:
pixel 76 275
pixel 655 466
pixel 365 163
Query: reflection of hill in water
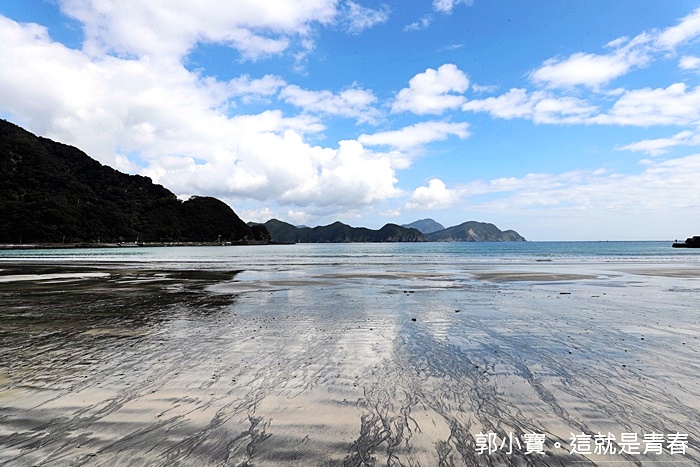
pixel 334 365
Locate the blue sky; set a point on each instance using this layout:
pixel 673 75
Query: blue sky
pixel 563 120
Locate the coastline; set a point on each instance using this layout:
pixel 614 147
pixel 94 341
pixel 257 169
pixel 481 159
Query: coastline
pixel 302 365
pixel 52 246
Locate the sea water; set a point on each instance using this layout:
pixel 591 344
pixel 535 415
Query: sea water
pixel 371 254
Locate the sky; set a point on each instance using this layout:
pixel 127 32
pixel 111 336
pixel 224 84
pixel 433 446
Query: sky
pixel 566 120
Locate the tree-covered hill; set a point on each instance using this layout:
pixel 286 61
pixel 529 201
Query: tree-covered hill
pixel 55 193
pixel 473 231
pixel 338 232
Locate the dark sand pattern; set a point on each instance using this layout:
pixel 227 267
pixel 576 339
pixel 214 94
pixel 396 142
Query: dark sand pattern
pixel 176 367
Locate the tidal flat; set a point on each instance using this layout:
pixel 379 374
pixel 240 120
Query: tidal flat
pixel 141 364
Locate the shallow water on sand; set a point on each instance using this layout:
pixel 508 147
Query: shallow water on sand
pixel 345 360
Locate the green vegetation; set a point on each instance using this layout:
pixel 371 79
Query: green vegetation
pixel 54 193
pixel 474 232
pixel 425 226
pixel 342 233
pixel 339 233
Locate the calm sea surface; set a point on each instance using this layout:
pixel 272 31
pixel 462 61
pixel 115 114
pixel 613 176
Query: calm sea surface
pixel 372 254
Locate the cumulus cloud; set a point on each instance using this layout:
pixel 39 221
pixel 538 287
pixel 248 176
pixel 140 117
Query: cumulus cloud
pixel 260 215
pixel 167 28
pixel 689 62
pixel 483 88
pixel 433 91
pixel 357 18
pixel 662 185
pixel 176 122
pixel 593 70
pixel 673 105
pixel 249 87
pixel 446 6
pixel 676 104
pixel 686 30
pixel 416 135
pixel 539 106
pixel 656 147
pixel 657 202
pixel 284 168
pixel 354 176
pixel 353 102
pixel 434 196
pixel 422 23
pixel 581 68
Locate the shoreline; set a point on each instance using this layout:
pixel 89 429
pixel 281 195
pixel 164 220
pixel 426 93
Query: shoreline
pixel 80 245
pixel 342 364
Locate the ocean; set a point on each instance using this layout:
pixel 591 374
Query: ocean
pixel 438 253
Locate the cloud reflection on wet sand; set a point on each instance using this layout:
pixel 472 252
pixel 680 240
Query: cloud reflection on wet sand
pixel 149 366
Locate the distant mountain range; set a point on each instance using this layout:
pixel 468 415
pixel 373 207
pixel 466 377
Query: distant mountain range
pixel 342 233
pixel 338 232
pixel 473 231
pixel 54 193
pixel 425 226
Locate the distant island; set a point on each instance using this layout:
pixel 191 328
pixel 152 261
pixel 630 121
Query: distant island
pixel 338 232
pixel 52 193
pixel 341 233
pixel 473 231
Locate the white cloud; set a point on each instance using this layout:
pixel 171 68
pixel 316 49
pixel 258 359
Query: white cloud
pixel 689 63
pixel 661 186
pixel 390 213
pixel 686 30
pixel 353 102
pixel 352 177
pixel 479 88
pixel 358 18
pixel 260 215
pixel 298 217
pixel 285 169
pixel 558 110
pixel 421 24
pixel 171 28
pixel 176 122
pixel 245 86
pixel 593 70
pixel 446 6
pixel 433 91
pixel 123 164
pixel 657 202
pixel 516 103
pixel 674 105
pixel 656 147
pixel 434 196
pixel 539 106
pixel 416 135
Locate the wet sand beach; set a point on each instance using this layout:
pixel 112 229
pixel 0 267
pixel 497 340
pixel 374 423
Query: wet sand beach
pixel 140 364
